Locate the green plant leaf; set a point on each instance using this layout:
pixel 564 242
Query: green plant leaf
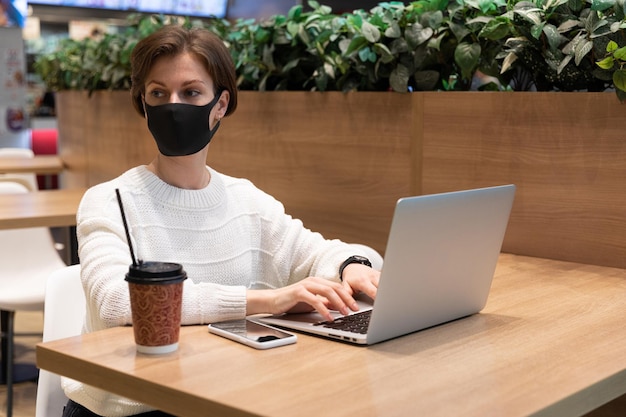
pixel 303 35
pixel 619 79
pixel 568 25
pixel 532 14
pixel 495 29
pixel 386 56
pixel 602 5
pixel 293 28
pixel 329 70
pixel 616 26
pixel 450 83
pixel 486 6
pixel 606 63
pixel 393 31
pixel 355 21
pixel 537 30
pixel 612 46
pixel 458 30
pixel 416 35
pixel 399 79
pixel 291 65
pixel 377 20
pixel 356 44
pixel 508 61
pixel 432 19
pixel 399 46
pixel 426 80
pixel 620 54
pixel 582 48
pixel 563 64
pixel 367 55
pixel 553 36
pixel 466 55
pixel 370 32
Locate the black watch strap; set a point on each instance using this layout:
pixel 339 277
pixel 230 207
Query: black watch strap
pixel 354 259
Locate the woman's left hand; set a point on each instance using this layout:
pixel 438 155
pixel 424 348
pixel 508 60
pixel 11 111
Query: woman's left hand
pixel 361 278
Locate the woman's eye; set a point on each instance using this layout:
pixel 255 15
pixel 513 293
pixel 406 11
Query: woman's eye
pixel 156 93
pixel 192 93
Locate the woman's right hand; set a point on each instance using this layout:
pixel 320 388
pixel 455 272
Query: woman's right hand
pixel 312 293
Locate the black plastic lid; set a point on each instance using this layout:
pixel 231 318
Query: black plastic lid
pixel 153 272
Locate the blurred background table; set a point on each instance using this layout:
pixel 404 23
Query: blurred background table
pixel 47 208
pixel 39 164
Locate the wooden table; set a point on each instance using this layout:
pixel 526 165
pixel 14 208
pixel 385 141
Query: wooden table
pixel 39 164
pixel 47 208
pixel 550 342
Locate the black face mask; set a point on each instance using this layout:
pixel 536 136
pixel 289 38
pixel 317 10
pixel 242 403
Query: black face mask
pixel 181 129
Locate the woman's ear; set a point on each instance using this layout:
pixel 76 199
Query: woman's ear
pixel 222 104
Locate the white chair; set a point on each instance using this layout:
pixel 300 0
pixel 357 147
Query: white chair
pixel 28 256
pixel 28 179
pixel 64 313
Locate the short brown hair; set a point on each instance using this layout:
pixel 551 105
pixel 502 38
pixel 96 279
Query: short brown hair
pixel 172 40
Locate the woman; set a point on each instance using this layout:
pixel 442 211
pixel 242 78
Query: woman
pixel 243 255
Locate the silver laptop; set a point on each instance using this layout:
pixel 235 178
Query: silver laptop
pixel 440 259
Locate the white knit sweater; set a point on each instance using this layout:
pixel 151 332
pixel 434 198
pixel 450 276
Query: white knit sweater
pixel 229 236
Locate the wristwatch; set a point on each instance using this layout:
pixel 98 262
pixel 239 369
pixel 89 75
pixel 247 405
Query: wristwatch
pixel 354 259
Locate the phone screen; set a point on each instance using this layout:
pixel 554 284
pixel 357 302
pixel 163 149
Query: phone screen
pixel 251 330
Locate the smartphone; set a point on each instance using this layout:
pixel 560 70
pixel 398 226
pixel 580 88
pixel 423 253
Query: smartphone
pixel 250 333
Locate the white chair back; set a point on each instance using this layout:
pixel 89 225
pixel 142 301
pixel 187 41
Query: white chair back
pixel 16 153
pixel 13 185
pixel 30 180
pixel 29 256
pixel 64 314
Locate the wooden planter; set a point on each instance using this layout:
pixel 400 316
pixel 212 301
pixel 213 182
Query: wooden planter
pixel 565 151
pixel 340 161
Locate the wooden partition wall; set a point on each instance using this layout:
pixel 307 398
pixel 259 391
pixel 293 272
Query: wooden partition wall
pixel 566 152
pixel 340 161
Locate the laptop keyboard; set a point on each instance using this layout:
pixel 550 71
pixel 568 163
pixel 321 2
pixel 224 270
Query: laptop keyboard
pixel 356 323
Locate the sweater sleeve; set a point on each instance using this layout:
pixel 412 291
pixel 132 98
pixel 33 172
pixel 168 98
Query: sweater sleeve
pixel 297 251
pixel 105 258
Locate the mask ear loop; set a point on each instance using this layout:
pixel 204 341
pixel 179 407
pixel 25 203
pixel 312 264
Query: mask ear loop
pixel 143 103
pixel 213 102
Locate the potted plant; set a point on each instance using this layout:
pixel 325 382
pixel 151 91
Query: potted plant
pixel 427 45
pixel 558 43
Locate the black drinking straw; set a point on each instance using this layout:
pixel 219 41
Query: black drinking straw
pixel 130 245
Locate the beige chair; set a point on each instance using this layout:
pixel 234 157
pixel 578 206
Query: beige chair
pixel 28 256
pixel 64 313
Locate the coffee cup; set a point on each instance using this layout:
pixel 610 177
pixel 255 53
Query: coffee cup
pixel 156 294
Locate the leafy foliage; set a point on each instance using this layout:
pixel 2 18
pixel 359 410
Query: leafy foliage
pixel 558 41
pixel 98 64
pixel 615 61
pixel 421 45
